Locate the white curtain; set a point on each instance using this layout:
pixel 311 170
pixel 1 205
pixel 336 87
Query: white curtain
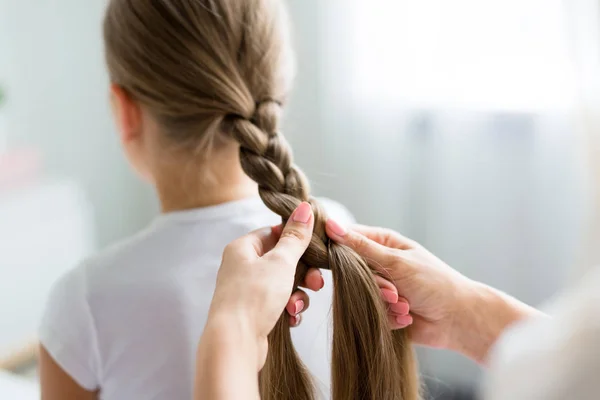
pixel 452 122
pixel 583 24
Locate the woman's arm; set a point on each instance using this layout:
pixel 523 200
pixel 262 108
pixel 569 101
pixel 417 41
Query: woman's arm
pixel 57 384
pixel 228 361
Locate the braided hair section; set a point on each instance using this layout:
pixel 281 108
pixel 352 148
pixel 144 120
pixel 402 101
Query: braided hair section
pixel 267 158
pixel 369 362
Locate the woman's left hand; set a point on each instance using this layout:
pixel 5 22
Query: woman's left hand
pixel 256 278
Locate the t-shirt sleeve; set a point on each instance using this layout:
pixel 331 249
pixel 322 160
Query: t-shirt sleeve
pixel 552 358
pixel 67 330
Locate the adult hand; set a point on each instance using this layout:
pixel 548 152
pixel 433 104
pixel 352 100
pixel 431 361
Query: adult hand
pixel 257 276
pixel 448 310
pixel 253 287
pixel 398 307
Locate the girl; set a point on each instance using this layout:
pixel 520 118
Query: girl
pixel 197 88
pixel 188 76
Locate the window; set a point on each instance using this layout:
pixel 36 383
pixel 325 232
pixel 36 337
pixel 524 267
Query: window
pixel 508 55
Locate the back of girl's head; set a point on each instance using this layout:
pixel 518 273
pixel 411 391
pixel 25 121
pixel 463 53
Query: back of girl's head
pixel 216 71
pixel 192 63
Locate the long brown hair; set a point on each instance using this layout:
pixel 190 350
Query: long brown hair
pixel 216 70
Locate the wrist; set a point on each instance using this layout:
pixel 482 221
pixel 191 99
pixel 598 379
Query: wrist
pixel 484 315
pixel 232 332
pixel 227 352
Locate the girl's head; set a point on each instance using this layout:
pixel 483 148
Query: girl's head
pixel 184 71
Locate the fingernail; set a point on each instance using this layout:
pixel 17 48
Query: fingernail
pixel 337 229
pixel 302 213
pixel 390 296
pixel 322 283
pixel 298 307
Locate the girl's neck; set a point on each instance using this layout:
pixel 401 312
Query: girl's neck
pixel 184 185
pixel 206 196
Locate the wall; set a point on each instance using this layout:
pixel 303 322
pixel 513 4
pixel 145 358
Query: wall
pixel 51 60
pixel 304 115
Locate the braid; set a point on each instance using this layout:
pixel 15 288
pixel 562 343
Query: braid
pixel 361 370
pixel 266 158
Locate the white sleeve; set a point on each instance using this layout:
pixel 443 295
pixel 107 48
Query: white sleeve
pixel 67 330
pixel 552 358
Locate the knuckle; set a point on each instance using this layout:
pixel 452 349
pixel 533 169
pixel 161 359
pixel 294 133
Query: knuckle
pixel 281 258
pixel 388 236
pixel 392 256
pixel 230 248
pixel 293 233
pixel 353 241
pixel 360 243
pixel 386 232
pixel 278 257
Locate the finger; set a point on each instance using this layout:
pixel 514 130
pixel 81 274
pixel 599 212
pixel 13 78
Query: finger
pixel 295 237
pixel 298 303
pixel 277 230
pixel 255 244
pixel 400 308
pixel 385 237
pixel 377 255
pixel 313 280
pixel 400 322
pixel 295 321
pixel 389 292
pixel 404 320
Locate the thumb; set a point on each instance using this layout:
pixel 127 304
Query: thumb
pixel 296 235
pixel 376 254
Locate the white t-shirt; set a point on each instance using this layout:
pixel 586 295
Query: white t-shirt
pixel 554 358
pixel 128 320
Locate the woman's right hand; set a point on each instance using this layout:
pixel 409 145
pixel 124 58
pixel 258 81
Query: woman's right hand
pixel 448 310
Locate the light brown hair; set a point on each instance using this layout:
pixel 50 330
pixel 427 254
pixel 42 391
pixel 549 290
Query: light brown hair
pixel 210 71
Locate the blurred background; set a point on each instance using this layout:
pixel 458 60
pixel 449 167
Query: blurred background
pixel 468 125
